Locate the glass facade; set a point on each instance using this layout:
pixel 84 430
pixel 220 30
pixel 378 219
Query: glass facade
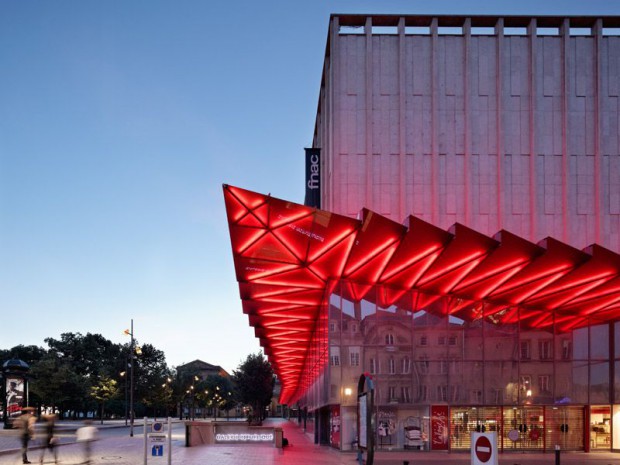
pixel 534 387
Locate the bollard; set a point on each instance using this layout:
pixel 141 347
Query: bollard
pixel 557 454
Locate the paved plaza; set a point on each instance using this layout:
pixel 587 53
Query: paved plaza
pixel 125 450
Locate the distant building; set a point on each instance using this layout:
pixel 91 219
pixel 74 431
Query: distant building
pixel 202 369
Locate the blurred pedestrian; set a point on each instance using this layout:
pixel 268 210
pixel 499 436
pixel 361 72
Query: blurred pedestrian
pixel 86 435
pixel 50 439
pixel 26 423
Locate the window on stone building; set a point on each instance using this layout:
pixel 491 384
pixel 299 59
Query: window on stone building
pixel 545 349
pixel 392 394
pixel 525 350
pixel 334 355
pixel 405 394
pixel 406 366
pixel 543 384
pixel 354 356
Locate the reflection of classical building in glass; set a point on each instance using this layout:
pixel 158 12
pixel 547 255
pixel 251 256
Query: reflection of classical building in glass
pixel 489 308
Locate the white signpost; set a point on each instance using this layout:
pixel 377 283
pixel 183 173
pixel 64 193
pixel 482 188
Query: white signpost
pixel 158 442
pixel 484 448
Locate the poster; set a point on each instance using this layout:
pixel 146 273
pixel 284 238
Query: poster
pixel 386 427
pixel 439 427
pixel 334 426
pixel 14 397
pixel 362 415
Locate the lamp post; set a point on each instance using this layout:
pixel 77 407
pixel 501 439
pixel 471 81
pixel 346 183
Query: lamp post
pixel 132 358
pixel 124 376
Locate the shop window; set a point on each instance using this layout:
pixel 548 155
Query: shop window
pixel 545 349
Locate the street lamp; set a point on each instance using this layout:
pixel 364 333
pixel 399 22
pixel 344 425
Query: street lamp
pixel 124 376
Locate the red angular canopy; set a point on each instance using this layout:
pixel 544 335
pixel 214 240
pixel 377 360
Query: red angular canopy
pixel 290 257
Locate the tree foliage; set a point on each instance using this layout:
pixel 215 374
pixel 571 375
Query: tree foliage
pixel 254 381
pixel 78 373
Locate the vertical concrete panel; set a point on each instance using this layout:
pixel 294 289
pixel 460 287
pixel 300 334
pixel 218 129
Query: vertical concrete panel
pixel 613 181
pixel 612 55
pixel 434 101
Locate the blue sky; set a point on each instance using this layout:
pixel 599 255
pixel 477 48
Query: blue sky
pixel 119 123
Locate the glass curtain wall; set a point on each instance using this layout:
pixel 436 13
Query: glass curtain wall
pixel 493 371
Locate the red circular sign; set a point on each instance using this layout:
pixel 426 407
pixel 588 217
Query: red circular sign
pixel 483 449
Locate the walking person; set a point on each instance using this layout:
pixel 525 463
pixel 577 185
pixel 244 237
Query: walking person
pixel 50 439
pixel 26 423
pixel 86 435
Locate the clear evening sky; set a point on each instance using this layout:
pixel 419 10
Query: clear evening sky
pixel 119 123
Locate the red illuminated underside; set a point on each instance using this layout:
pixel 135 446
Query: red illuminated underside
pixel 289 258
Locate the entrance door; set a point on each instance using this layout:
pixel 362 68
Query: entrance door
pixel 564 426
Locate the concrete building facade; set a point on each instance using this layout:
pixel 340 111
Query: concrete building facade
pixel 494 122
pixel 497 123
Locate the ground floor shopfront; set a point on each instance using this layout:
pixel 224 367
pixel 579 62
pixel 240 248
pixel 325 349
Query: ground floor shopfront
pixel 519 429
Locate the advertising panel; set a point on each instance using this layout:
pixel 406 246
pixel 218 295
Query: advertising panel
pixel 362 415
pixel 334 426
pixel 439 427
pixel 14 397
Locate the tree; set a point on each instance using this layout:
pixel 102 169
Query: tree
pixel 103 390
pixel 216 392
pixel 55 382
pixel 254 381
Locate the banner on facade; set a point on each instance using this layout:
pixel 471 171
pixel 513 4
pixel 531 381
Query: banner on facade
pixel 439 427
pixel 313 178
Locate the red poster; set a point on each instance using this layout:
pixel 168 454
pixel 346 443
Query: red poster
pixel 439 427
pixel 334 426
